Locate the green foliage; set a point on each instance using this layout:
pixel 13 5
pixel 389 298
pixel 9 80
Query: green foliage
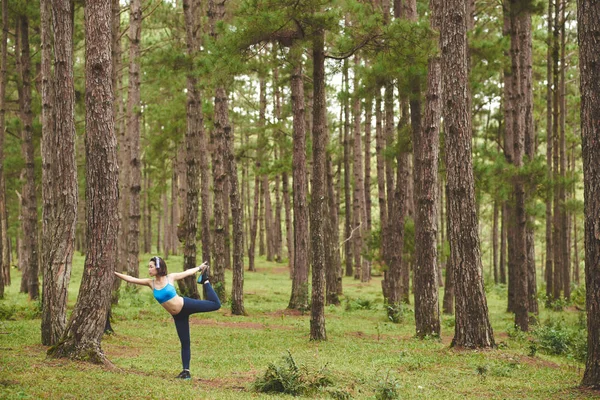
pixel 387 388
pixel 555 337
pixel 12 312
pixel 395 312
pixel 578 296
pixel 291 378
pixel 358 304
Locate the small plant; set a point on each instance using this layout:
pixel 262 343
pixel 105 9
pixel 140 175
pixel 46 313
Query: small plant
pixel 533 348
pixel 482 371
pixel 7 313
pixel 387 389
pixel 291 378
pixel 395 313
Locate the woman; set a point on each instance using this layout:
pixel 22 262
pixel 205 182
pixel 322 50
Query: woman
pixel 179 307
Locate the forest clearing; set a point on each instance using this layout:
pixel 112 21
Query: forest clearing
pixel 365 353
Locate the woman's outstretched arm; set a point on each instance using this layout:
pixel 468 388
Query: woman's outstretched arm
pixel 137 281
pixel 180 275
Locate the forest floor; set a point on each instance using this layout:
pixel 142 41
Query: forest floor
pixel 366 356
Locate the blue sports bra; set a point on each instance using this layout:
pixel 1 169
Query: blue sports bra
pixel 164 294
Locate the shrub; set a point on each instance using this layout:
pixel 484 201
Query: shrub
pixel 359 304
pixel 7 313
pixel 291 378
pixel 554 337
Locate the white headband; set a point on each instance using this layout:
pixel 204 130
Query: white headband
pixel 157 261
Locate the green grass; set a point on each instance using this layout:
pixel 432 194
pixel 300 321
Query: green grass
pixel 364 353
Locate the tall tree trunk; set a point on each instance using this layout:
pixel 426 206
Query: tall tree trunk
pixel 179 192
pixel 257 216
pixel 219 173
pixel 59 172
pixel 576 252
pixel 362 266
pixel 165 226
pixel 254 223
pixel 503 243
pixel 4 240
pixel 448 304
pixel 426 150
pixel 84 330
pixel 472 329
pixel 269 234
pixel 379 147
pixel 333 263
pixel 194 130
pixel 147 214
pixel 557 234
pixel 278 153
pixel 299 296
pixel 564 217
pixel 133 130
pixel 123 148
pixel 495 242
pixel 29 198
pixel 549 173
pixel 368 202
pixel 520 21
pixel 530 152
pixel 347 198
pixel 317 202
pixel 588 19
pixel 509 149
pixel 289 232
pixel 222 123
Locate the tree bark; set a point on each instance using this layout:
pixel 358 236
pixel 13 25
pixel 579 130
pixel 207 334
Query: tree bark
pixel 588 17
pixel 472 329
pixel 368 201
pixel 299 296
pixel 426 151
pixel 564 216
pixel 289 232
pixel 83 333
pixel 254 223
pixel 194 130
pixel 549 173
pixel 317 202
pixel 237 285
pixel 520 21
pixel 448 303
pixel 333 263
pixel 29 199
pixel 495 242
pixel 362 268
pixel 133 129
pixel 557 233
pixel 4 240
pixel 219 174
pixel 59 170
pixel 347 197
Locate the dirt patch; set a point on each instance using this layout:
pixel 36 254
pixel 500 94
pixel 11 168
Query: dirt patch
pixel 288 313
pixel 122 351
pixel 537 362
pixel 239 381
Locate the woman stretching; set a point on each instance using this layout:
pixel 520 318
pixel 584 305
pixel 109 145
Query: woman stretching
pixel 179 307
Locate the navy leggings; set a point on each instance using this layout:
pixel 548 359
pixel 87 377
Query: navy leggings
pixel 182 320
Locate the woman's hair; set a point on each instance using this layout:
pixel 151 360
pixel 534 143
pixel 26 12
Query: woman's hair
pixel 161 266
